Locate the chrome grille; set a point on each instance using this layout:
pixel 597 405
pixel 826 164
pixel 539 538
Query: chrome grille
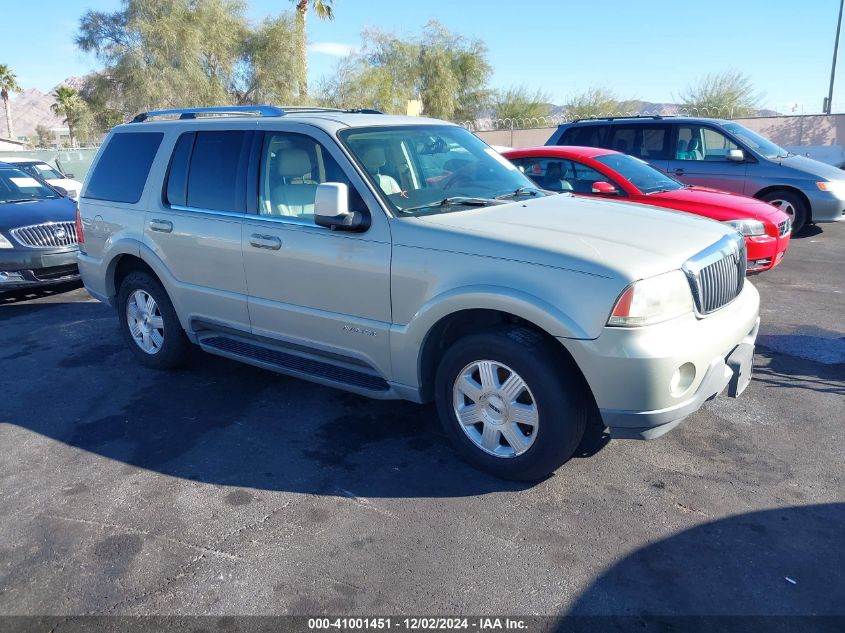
pixel 784 227
pixel 47 235
pixel 717 275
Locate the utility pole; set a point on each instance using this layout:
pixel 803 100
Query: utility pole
pixel 828 103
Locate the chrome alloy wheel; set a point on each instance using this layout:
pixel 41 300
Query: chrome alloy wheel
pixel 145 322
pixel 785 206
pixel 495 408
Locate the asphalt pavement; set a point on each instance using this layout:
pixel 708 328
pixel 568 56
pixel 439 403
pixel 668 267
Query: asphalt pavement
pixel 225 489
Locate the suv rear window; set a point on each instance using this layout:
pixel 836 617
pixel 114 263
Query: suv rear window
pixel 121 172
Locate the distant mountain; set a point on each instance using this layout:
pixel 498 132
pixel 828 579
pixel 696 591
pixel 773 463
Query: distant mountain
pixel 32 107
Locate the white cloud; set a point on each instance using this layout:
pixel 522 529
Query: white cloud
pixel 335 49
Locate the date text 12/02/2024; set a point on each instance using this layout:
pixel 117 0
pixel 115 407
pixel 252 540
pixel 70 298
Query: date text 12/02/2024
pixel 416 624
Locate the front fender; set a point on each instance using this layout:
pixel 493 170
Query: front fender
pixel 408 341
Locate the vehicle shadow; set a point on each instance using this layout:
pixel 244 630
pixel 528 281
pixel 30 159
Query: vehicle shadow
pixel 219 421
pixel 779 562
pixel 808 230
pixel 812 360
pixel 11 297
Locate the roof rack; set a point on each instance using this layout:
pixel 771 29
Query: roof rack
pixel 191 113
pixel 247 110
pixel 630 116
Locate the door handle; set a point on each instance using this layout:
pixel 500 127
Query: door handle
pixel 679 172
pixel 162 226
pixel 270 242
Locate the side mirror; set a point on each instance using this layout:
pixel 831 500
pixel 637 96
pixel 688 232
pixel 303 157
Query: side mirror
pixel 331 208
pixel 604 188
pixel 736 155
pixel 62 191
pixel 69 175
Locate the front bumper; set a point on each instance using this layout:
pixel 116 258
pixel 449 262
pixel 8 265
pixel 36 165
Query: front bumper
pixel 765 251
pixel 25 268
pixel 647 380
pixel 826 207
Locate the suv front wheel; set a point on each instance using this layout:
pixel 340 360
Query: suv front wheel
pixel 149 322
pixel 510 405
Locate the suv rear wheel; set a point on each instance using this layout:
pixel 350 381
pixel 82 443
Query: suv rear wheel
pixel 149 322
pixel 509 404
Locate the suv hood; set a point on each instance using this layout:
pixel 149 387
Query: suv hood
pixel 601 237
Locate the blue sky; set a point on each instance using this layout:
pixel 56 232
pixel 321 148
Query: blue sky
pixel 648 49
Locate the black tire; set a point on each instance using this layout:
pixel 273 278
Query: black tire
pixel 175 348
pixel 801 212
pixel 556 386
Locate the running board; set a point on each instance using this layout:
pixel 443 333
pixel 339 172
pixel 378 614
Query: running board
pixel 296 365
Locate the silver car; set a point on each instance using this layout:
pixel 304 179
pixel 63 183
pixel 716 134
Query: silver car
pixel 722 155
pixel 400 257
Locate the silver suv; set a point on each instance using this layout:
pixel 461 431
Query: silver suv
pixel 402 257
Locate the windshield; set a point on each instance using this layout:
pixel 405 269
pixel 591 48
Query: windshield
pixel 42 170
pixel 642 175
pixel 756 142
pixel 18 186
pixel 426 169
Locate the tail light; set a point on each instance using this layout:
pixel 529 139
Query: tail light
pixel 80 236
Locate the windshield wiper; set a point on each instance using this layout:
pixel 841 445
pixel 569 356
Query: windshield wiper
pixel 454 200
pixel 21 200
pixel 521 191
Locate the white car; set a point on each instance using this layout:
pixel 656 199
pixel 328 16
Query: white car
pixel 46 172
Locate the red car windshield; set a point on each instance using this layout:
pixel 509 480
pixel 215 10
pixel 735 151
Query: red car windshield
pixel 642 175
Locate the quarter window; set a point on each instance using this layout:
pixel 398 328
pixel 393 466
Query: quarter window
pixel 121 172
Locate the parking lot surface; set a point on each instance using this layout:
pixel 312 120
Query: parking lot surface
pixel 225 489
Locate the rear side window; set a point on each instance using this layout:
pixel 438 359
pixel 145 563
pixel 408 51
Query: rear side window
pixel 217 170
pixel 643 141
pixel 121 171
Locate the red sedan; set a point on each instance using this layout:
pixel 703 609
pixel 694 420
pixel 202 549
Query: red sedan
pixel 602 172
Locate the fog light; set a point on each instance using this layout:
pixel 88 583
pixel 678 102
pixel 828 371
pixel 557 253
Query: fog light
pixel 10 277
pixel 682 379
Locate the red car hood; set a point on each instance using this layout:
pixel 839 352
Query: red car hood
pixel 718 205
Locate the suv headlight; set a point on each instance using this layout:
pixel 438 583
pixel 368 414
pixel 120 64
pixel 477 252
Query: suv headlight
pixel 4 242
pixel 652 300
pixel 748 228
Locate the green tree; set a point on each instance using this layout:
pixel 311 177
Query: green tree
pixel 728 93
pixel 70 106
pixel 593 102
pixel 174 53
pixel 518 104
pixel 324 11
pixel 446 71
pixel 44 136
pixel 8 83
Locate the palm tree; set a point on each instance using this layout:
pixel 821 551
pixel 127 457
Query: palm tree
pixel 8 83
pixel 323 9
pixel 67 105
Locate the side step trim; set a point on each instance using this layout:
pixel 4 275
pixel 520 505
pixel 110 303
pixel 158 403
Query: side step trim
pixel 301 365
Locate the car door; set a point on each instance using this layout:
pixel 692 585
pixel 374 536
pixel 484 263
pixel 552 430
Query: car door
pixel 195 231
pixel 327 292
pixel 700 158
